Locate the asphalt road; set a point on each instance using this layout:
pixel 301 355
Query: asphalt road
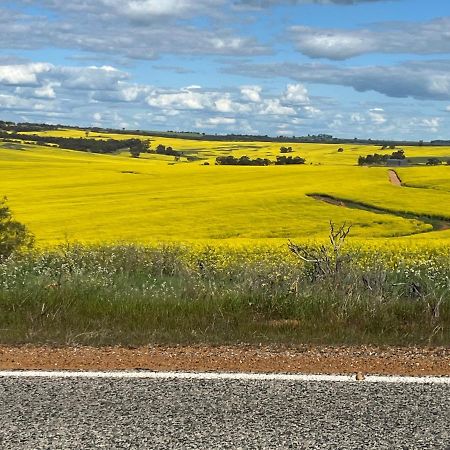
pixel 42 413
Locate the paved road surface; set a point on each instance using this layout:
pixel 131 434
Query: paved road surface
pixel 74 413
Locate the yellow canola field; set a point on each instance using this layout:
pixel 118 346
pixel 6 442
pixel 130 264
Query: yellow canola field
pixel 65 195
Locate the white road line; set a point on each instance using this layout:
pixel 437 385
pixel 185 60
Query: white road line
pixel 219 376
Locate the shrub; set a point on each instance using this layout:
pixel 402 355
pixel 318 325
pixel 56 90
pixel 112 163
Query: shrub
pixel 433 162
pixel 282 160
pixel 242 161
pixel 13 235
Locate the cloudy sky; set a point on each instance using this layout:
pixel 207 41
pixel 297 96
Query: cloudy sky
pixel 365 68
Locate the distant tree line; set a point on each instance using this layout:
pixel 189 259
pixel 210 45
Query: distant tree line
pixel 26 127
pixel 81 144
pixel 314 138
pixel 380 159
pixel 246 161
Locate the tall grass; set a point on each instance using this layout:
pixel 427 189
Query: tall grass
pixel 133 295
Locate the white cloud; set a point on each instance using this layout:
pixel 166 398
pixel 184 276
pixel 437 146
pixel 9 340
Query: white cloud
pixel 433 123
pixel 22 74
pixel 357 118
pixel 376 116
pixel 46 91
pixel 224 105
pixel 252 93
pixel 186 99
pixel 311 111
pixel 296 94
pixel 274 107
pixel 219 121
pixel 133 29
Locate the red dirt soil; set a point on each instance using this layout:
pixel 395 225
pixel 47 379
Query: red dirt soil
pixel 307 359
pixel 394 178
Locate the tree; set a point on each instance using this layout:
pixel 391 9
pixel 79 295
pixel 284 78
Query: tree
pixel 433 162
pixel 161 149
pixel 13 235
pixel 137 147
pixel 399 154
pixel 135 151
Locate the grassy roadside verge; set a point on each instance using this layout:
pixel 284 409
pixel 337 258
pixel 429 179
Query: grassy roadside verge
pixel 131 295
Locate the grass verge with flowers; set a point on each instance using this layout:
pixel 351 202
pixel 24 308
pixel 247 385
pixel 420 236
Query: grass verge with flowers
pixel 173 293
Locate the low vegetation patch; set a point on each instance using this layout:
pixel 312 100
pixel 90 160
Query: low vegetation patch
pixel 328 293
pixel 246 161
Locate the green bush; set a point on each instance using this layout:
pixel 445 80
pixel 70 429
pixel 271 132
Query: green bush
pixel 13 235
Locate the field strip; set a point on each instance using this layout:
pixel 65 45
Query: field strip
pixel 219 376
pixel 438 224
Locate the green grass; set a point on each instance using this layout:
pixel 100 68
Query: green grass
pixel 172 294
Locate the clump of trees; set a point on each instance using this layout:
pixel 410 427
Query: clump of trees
pixel 286 160
pixel 246 161
pixel 286 149
pixel 381 159
pixel 163 150
pixel 242 161
pixel 139 147
pixel 13 235
pixel 434 162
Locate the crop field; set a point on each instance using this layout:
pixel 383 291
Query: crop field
pixel 68 196
pixel 179 250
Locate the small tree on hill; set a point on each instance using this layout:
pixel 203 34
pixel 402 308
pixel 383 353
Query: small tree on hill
pixel 139 147
pixel 135 151
pixel 13 235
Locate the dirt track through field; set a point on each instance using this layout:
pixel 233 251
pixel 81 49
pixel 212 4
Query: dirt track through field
pixel 394 178
pixel 411 361
pixel 438 224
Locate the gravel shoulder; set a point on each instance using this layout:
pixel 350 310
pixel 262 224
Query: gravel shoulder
pixel 410 361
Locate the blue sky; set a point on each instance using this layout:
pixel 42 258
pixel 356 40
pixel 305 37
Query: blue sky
pixel 365 68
